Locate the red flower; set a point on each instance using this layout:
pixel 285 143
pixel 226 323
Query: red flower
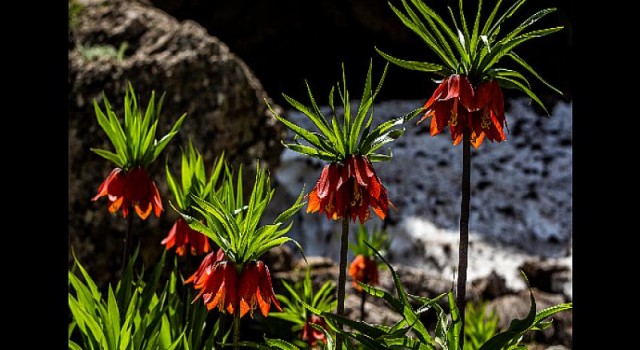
pixel 489 119
pixel 208 260
pixel 365 270
pixel 131 188
pixel 312 335
pixel 352 186
pixel 450 105
pixel 256 289
pixel 218 286
pixel 182 234
pixel 455 103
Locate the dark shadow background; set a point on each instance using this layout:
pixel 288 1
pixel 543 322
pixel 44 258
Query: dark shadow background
pixel 288 41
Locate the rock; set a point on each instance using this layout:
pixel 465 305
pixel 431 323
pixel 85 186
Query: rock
pixel 221 96
pixel 516 306
pixel 547 276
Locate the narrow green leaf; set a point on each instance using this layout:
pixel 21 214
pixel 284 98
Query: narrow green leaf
pixel 316 117
pixel 109 156
pixel 340 146
pixel 514 83
pixel 113 323
pixel 435 22
pixel 160 145
pixel 524 64
pixel 516 5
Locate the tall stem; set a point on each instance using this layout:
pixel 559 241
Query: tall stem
pixel 125 248
pixel 464 230
pixel 236 329
pixel 363 300
pixel 342 278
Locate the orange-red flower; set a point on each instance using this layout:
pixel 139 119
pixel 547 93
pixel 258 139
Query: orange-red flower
pixel 450 105
pixel 353 187
pixel 312 335
pixel 365 270
pixel 218 286
pixel 181 235
pixel 198 278
pixel 489 118
pixel 457 104
pixel 131 188
pixel 256 289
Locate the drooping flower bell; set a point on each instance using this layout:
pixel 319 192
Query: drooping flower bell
pixel 198 277
pixel 457 104
pixel 364 270
pixel 181 235
pixel 450 105
pixel 218 286
pixel 488 118
pixel 256 289
pixel 311 335
pixel 133 188
pixel 351 187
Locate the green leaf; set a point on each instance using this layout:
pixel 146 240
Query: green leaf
pixel 311 137
pixel 117 159
pixel 113 322
pixel 160 145
pixel 415 65
pixel 360 326
pixel 518 85
pixel 524 64
pixel 449 61
pixel 280 344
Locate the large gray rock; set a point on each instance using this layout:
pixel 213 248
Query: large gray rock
pixel 200 76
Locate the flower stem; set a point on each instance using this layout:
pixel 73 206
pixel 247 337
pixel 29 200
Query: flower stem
pixel 342 277
pixel 125 248
pixel 464 230
pixel 363 299
pixel 236 329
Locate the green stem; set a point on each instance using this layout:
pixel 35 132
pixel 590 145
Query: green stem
pixel 464 231
pixel 125 248
pixel 342 277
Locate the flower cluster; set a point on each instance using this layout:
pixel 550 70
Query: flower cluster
pixel 349 188
pixel 182 235
pixel 221 286
pixel 457 104
pixel 132 188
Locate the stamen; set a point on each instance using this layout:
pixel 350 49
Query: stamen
pixel 486 122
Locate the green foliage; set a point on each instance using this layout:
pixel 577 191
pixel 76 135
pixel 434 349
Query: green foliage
pixel 193 178
pixel 104 51
pixel 411 333
pixel 75 7
pixel 479 325
pixel 336 140
pixel 474 51
pixel 377 238
pixel 135 143
pixel 234 225
pixel 302 293
pixel 133 317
